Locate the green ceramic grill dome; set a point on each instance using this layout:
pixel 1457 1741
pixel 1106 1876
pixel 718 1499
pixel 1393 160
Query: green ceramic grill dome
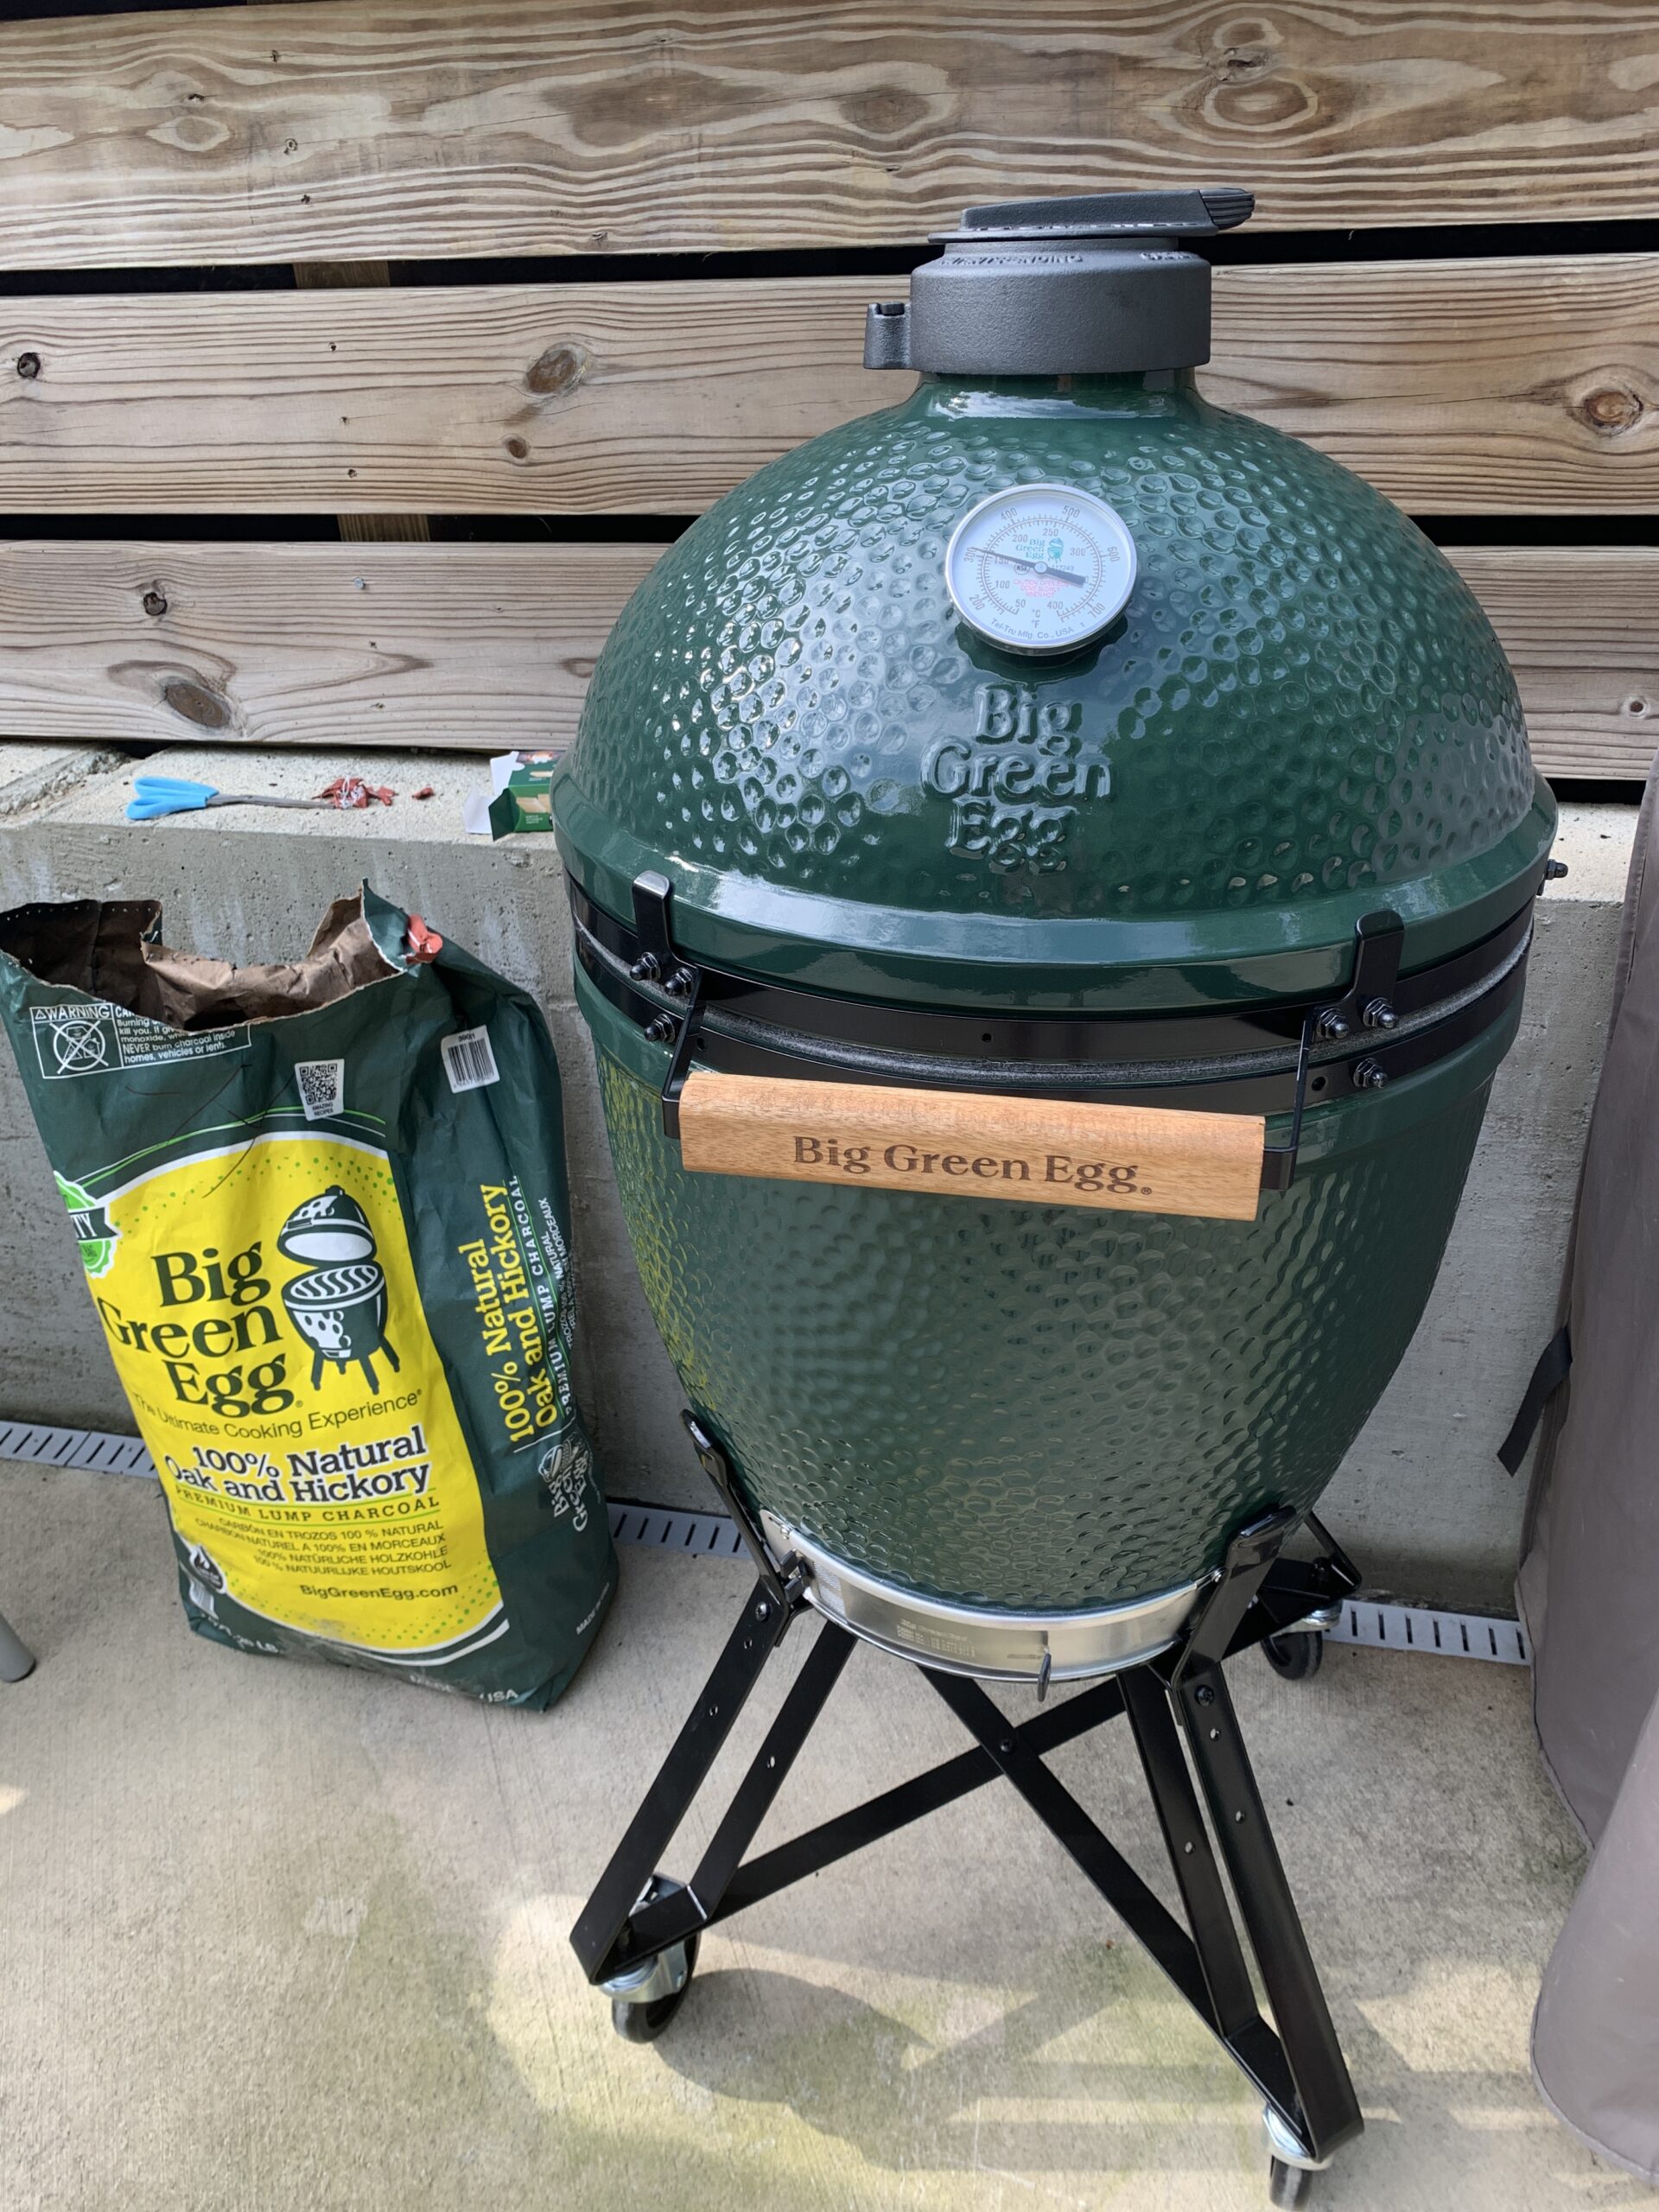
pixel 1300 718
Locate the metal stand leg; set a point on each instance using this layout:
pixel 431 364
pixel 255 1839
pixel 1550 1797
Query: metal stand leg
pixel 638 1935
pixel 1322 2112
pixel 16 1659
pixel 604 1938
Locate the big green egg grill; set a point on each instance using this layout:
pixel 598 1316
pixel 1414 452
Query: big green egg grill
pixel 1051 740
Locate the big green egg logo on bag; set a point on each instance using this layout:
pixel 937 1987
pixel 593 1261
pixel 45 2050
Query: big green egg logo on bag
pixel 94 1231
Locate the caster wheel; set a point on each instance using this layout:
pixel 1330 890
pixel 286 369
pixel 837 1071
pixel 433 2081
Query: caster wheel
pixel 1295 1656
pixel 644 2023
pixel 1289 2186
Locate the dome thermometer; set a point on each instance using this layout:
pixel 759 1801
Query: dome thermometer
pixel 1041 568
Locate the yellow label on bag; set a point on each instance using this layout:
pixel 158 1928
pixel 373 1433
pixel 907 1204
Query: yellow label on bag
pixel 288 1389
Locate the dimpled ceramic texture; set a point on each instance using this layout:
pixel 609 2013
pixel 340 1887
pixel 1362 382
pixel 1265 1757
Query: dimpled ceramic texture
pixel 1034 1406
pixel 1045 1407
pixel 1302 697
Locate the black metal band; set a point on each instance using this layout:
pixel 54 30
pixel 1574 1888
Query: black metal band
pixel 1258 1059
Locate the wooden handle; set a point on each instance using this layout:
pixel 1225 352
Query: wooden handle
pixel 964 1144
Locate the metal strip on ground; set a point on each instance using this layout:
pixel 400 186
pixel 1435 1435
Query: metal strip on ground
pixel 703 1535
pixel 1425 1628
pixel 714 1536
pixel 75 1447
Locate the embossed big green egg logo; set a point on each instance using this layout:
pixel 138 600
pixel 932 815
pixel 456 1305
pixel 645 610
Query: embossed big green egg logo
pixel 1008 783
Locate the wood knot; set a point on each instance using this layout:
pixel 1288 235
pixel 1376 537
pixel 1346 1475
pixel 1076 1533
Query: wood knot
pixel 888 113
pixel 561 369
pixel 28 365
pixel 519 450
pixel 153 601
pixel 196 703
pixel 1611 407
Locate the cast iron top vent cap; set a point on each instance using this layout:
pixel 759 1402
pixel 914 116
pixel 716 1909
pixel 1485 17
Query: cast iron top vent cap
pixel 1095 285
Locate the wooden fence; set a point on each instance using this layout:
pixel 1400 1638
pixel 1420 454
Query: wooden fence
pixel 1500 381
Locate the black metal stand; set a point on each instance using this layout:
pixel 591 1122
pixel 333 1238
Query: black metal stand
pixel 636 1935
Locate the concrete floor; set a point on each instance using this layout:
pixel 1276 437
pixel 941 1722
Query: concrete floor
pixel 274 1936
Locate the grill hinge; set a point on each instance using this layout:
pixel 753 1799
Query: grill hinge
pixel 1369 1004
pixel 659 962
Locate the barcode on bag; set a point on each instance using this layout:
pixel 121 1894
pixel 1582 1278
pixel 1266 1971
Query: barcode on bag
pixel 323 1087
pixel 467 1060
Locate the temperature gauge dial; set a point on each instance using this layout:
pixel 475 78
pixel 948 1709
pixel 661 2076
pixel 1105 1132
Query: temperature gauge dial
pixel 1039 568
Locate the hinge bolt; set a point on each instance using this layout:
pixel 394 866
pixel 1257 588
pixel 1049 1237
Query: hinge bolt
pixel 1332 1024
pixel 1369 1076
pixel 679 985
pixel 646 968
pixel 1554 871
pixel 1379 1015
pixel 659 1029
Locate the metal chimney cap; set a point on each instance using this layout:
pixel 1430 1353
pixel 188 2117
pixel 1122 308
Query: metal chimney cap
pixel 1095 284
pixel 1196 212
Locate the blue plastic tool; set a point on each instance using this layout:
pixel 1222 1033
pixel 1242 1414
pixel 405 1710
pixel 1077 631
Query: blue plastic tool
pixel 156 795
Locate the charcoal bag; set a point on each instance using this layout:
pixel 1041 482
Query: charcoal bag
pixel 322 1209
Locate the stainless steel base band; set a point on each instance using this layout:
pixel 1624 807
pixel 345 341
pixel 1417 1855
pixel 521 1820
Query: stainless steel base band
pixel 975 1640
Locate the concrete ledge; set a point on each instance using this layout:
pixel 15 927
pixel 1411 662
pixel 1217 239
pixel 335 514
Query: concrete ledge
pixel 33 775
pixel 1421 1498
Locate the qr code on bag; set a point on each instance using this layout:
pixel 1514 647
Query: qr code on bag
pixel 323 1087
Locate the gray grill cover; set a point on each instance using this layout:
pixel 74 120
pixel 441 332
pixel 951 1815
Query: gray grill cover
pixel 1589 1586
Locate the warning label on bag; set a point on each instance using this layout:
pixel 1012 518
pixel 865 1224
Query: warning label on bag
pixel 72 1040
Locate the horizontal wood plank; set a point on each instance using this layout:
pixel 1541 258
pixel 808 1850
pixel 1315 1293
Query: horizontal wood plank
pixel 957 1144
pixel 480 647
pixel 484 647
pixel 1580 624
pixel 1524 384
pixel 370 128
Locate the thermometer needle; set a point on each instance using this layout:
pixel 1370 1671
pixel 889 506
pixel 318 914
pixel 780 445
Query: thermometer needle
pixel 1035 567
